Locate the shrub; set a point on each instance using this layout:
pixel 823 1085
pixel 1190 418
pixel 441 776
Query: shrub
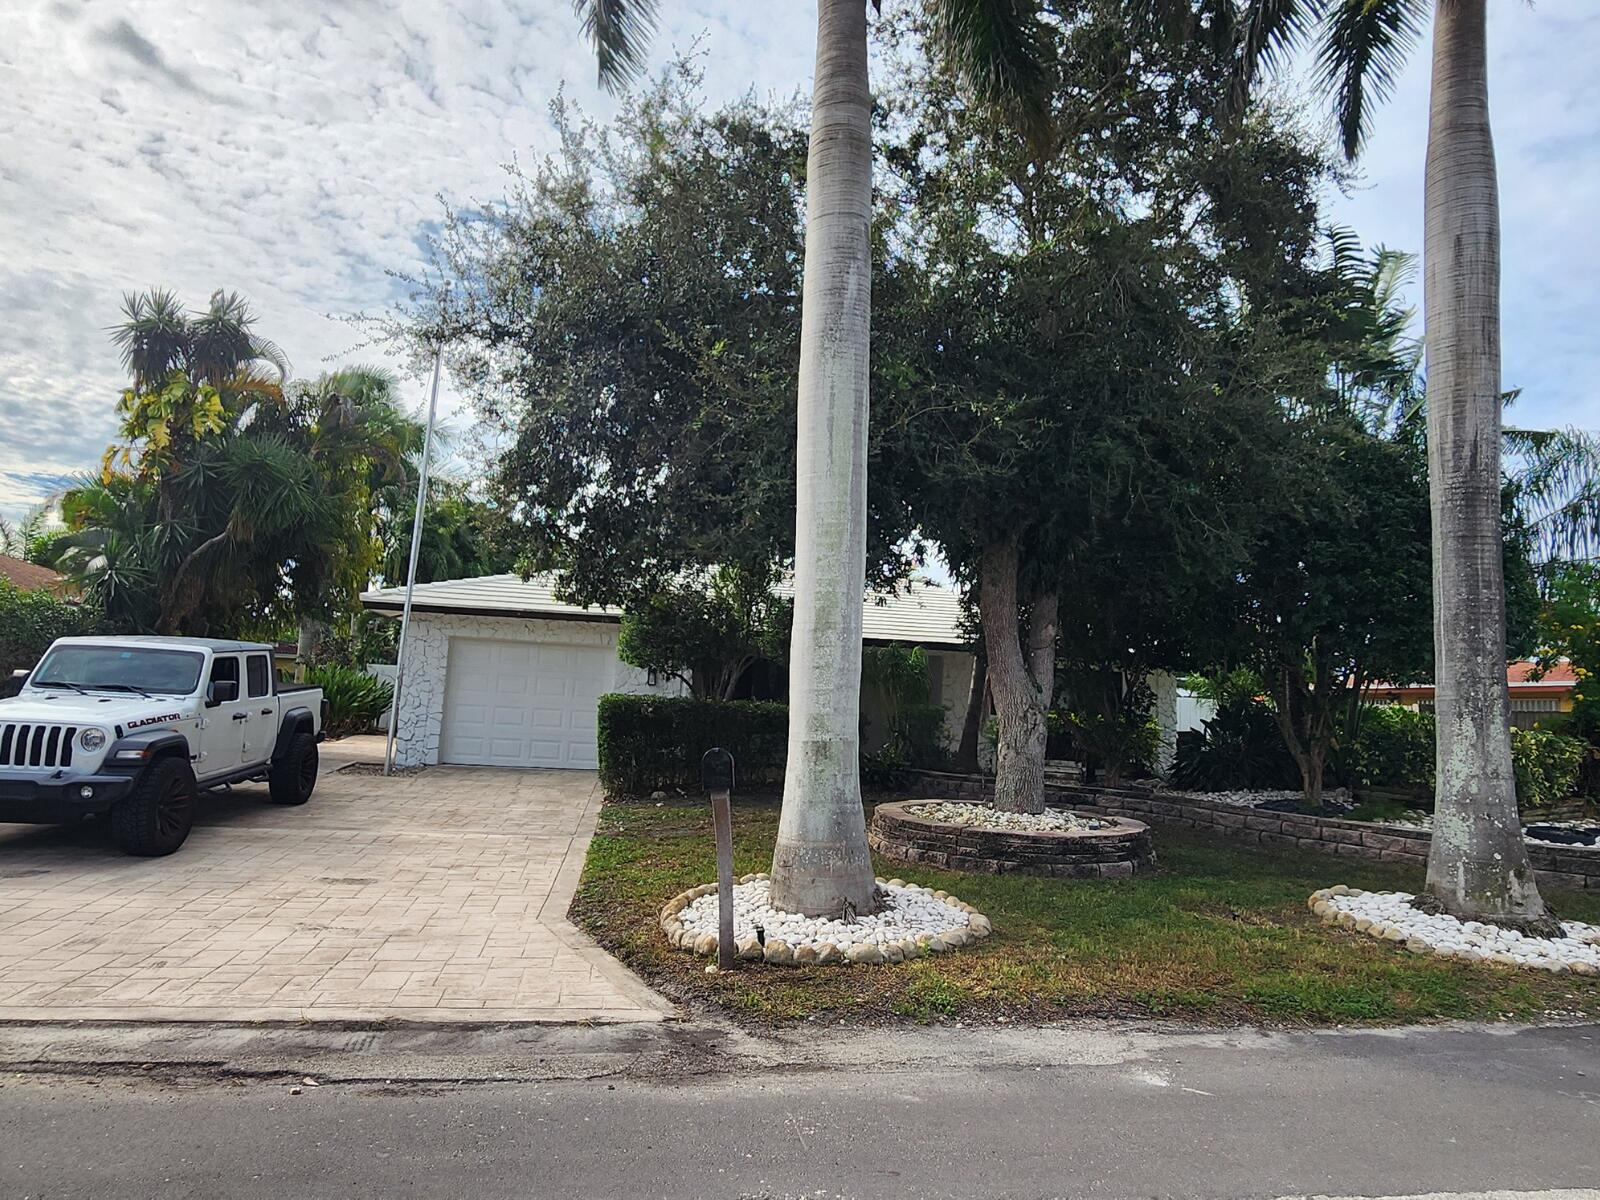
pixel 1547 765
pixel 355 699
pixel 1121 746
pixel 1394 749
pixel 651 742
pixel 1240 748
pixel 31 620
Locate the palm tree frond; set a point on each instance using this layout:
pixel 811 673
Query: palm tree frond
pixel 995 49
pixel 620 32
pixel 1558 482
pixel 1267 35
pixel 1364 48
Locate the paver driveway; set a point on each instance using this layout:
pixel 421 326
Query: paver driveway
pixel 439 896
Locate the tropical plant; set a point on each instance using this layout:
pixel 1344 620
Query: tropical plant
pixel 1110 719
pixel 821 863
pixel 233 499
pixel 1238 747
pixel 1555 476
pixel 355 699
pixel 459 539
pixel 36 538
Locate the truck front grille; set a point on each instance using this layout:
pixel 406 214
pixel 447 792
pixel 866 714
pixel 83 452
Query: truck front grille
pixel 28 744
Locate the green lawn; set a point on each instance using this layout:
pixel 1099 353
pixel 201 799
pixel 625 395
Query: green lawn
pixel 1220 935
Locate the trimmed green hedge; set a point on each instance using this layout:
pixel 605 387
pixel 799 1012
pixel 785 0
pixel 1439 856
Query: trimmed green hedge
pixel 655 742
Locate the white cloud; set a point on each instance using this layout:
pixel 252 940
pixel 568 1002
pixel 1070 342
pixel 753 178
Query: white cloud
pixel 1547 142
pixel 293 152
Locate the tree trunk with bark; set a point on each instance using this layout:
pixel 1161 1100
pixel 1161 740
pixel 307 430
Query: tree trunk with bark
pixel 977 706
pixel 1303 708
pixel 821 864
pixel 305 646
pixel 1022 678
pixel 1478 865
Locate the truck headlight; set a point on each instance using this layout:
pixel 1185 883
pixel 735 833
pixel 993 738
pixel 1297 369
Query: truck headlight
pixel 92 739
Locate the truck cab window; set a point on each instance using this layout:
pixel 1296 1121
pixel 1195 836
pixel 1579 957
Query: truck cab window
pixel 225 669
pixel 259 673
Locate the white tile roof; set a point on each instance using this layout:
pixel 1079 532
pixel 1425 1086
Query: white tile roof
pixel 921 612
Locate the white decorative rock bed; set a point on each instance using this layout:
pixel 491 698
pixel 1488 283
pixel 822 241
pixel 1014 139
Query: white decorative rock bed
pixel 913 921
pixel 986 816
pixel 1391 917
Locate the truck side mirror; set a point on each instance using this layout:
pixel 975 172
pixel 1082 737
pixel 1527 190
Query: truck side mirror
pixel 221 691
pixel 21 673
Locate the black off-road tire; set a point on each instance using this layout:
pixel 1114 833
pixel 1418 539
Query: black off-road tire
pixel 155 818
pixel 294 773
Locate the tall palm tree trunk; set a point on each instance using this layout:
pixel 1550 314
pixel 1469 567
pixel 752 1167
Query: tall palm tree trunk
pixel 1478 866
pixel 821 863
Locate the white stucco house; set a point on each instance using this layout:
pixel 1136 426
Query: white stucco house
pixel 501 673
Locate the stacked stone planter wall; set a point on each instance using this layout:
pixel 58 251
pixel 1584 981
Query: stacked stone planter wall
pixel 1568 867
pixel 1121 850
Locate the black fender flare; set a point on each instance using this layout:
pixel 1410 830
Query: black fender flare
pixel 293 721
pixel 151 744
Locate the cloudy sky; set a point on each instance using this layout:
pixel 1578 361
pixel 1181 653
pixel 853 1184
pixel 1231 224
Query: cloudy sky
pixel 295 152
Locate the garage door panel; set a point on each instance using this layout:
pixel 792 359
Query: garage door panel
pixel 543 719
pixel 523 704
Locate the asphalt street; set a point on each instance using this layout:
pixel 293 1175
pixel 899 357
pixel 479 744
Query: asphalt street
pixel 689 1112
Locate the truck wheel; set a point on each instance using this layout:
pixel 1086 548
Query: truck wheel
pixel 294 775
pixel 155 818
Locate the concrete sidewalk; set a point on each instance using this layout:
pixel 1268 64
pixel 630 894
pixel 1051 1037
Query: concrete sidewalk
pixel 436 896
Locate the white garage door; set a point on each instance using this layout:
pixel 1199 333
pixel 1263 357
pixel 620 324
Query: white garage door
pixel 522 704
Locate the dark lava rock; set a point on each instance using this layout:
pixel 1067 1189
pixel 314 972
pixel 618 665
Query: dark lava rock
pixel 1564 835
pixel 1328 808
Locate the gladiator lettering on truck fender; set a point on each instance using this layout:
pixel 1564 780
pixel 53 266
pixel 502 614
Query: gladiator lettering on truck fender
pixel 143 721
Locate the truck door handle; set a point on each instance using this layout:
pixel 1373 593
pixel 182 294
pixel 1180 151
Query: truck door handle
pixel 266 712
pixel 241 716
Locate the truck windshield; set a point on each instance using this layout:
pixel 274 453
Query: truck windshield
pixel 120 669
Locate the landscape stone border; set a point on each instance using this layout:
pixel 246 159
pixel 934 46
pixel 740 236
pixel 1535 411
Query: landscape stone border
pixel 1119 851
pixel 780 953
pixel 1322 903
pixel 1576 867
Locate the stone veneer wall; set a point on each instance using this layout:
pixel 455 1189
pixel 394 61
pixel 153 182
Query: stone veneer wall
pixel 1565 866
pixel 428 656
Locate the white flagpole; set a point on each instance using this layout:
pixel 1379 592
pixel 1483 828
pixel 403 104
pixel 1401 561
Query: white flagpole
pixel 411 571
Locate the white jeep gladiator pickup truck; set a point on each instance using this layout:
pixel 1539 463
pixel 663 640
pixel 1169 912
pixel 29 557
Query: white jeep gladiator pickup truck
pixel 137 727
